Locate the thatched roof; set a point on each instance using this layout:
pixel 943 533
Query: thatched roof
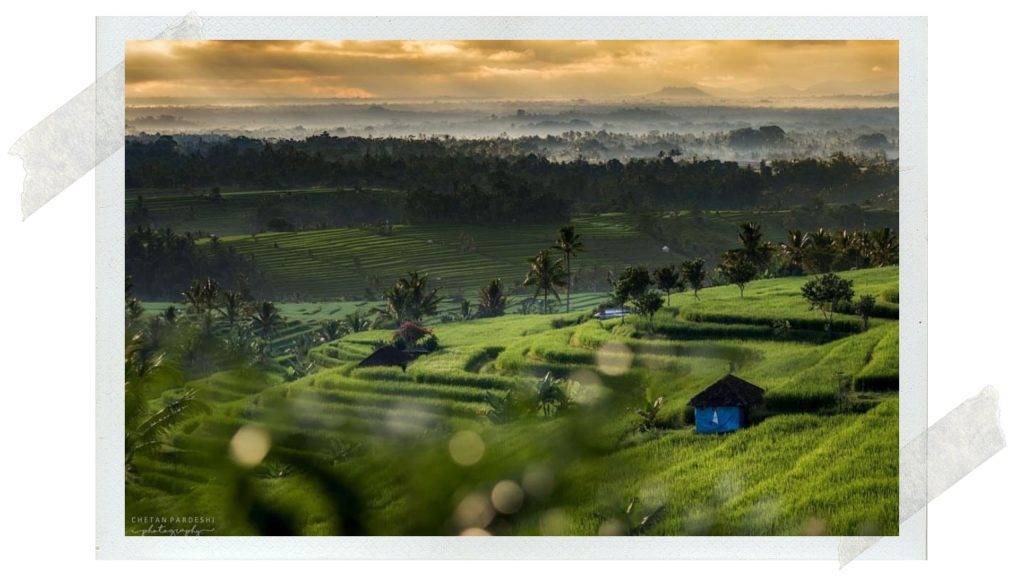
pixel 388 356
pixel 729 391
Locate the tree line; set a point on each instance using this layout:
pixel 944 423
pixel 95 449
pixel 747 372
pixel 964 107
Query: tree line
pixel 818 252
pixel 473 186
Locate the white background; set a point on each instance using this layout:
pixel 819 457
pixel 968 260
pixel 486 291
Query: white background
pixel 47 305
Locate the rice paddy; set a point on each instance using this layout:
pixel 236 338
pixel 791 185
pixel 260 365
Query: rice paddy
pixel 432 449
pixel 347 263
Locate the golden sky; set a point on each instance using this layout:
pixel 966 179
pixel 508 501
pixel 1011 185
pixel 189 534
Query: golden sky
pixel 243 71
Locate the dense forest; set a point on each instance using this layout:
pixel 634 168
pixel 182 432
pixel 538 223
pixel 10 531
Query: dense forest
pixel 479 181
pixel 161 264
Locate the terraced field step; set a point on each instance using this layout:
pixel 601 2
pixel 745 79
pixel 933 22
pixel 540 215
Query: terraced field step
pixel 334 423
pixel 310 415
pixel 323 262
pixel 445 378
pixel 403 389
pixel 387 401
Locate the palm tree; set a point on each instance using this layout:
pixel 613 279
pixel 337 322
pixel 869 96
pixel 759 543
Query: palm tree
pixel 331 330
pixel 847 249
pixel 202 294
pixel 302 345
pixel 356 322
pixel 862 243
pixel 266 319
pixel 133 311
pixel 796 244
pixel 410 299
pixel 300 367
pixel 492 299
pixel 753 246
pixel 569 244
pixel 141 360
pixel 170 314
pixel 546 275
pixel 884 247
pixel 232 305
pixel 145 429
pixel 819 254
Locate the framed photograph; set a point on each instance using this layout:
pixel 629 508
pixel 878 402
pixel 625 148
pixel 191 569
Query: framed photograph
pixel 580 288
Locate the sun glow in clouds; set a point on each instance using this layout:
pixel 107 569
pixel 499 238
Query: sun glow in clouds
pixel 232 72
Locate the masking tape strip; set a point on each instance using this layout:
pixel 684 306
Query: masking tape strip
pixel 954 446
pixel 83 132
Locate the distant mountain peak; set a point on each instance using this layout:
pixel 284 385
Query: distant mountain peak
pixel 681 91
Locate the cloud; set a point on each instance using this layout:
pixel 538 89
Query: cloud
pixel 507 69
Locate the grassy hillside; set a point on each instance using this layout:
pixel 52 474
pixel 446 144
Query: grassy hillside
pixel 434 449
pixel 345 262
pixel 460 259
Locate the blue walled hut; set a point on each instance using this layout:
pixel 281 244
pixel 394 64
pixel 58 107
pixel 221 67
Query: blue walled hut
pixel 725 405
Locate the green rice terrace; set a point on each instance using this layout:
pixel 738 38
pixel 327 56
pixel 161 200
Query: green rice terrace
pixel 528 423
pixel 319 262
pixel 322 262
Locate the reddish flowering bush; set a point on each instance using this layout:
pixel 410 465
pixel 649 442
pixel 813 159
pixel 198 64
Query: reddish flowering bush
pixel 410 333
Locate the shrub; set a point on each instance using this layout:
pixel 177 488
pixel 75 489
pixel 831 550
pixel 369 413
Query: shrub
pixel 864 307
pixel 649 410
pixel 825 293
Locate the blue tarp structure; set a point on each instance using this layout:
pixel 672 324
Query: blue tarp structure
pixel 719 419
pixel 725 405
pixel 612 313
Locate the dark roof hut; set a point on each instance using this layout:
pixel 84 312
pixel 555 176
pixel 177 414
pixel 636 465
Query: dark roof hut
pixel 388 356
pixel 725 405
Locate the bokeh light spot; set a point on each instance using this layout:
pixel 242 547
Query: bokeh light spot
pixel 612 527
pixel 591 387
pixel 814 527
pixel 554 522
pixel 466 448
pixel 249 446
pixel 474 511
pixel 507 497
pixel 614 359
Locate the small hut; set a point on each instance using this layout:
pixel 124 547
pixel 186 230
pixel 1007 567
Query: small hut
pixel 608 313
pixel 388 356
pixel 725 405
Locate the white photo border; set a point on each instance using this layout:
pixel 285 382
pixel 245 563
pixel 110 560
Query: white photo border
pixel 910 544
